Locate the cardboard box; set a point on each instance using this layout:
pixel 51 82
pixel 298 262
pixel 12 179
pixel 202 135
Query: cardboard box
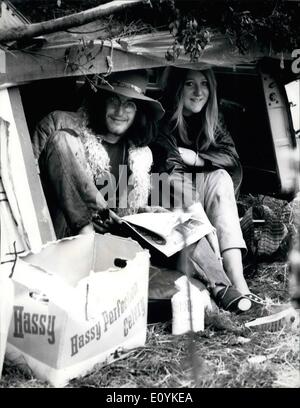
pixel 77 301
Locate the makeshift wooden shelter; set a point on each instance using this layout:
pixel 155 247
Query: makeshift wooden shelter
pixel 41 74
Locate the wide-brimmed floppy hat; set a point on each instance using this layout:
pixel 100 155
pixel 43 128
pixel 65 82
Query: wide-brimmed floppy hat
pixel 132 84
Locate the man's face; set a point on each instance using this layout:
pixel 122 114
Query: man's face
pixel 120 114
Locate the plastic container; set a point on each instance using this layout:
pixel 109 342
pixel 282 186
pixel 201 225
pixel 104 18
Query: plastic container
pixel 188 307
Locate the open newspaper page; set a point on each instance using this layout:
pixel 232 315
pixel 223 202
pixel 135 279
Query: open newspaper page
pixel 168 233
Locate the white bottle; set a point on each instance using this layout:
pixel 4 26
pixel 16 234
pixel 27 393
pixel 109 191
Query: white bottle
pixel 188 307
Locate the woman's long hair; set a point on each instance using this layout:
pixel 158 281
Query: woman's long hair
pixel 174 79
pixel 143 129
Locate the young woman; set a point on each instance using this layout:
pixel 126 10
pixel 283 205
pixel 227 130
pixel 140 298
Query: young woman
pixel 195 141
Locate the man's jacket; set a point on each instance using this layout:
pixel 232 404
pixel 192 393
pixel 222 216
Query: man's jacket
pixel 139 158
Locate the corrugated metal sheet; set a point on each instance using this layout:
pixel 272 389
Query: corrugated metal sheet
pixel 64 54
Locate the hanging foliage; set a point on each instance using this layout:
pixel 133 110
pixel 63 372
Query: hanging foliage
pixel 278 29
pixel 273 25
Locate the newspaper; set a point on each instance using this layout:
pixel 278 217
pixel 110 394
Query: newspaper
pixel 168 233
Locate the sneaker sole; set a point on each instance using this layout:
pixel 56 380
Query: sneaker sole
pixel 276 321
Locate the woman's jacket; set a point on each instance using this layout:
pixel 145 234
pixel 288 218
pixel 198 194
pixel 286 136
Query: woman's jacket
pixel 221 155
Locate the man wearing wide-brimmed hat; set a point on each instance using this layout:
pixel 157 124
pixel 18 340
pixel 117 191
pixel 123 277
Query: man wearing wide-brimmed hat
pixel 97 160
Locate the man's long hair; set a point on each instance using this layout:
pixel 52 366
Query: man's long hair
pixel 140 133
pixel 174 79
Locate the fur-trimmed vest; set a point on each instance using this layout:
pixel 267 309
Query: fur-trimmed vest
pixel 139 158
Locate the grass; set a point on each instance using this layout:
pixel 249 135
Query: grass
pixel 225 355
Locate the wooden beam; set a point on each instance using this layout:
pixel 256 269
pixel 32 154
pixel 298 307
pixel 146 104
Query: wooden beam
pixel 63 23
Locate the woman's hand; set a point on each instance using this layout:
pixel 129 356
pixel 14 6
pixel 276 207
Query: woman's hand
pixel 190 158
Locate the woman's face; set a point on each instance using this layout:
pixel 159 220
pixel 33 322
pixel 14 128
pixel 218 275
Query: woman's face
pixel 120 114
pixel 195 92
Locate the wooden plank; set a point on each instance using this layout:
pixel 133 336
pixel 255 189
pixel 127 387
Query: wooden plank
pixel 2 63
pixel 41 209
pixel 68 60
pixel 27 185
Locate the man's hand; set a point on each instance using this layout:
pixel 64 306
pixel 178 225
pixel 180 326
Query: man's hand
pixel 106 220
pixel 190 158
pixel 154 209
